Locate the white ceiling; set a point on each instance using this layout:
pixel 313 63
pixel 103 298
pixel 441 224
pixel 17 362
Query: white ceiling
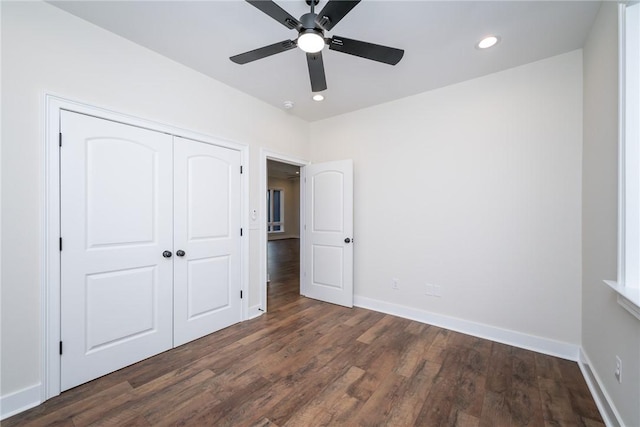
pixel 438 37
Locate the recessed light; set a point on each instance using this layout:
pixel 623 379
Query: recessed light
pixel 488 42
pixel 287 105
pixel 318 97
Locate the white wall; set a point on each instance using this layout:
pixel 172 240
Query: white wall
pixel 291 189
pixel 47 50
pixel 474 187
pixel 607 329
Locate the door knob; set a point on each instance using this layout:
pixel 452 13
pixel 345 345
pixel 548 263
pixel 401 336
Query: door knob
pixel 347 240
pixel 180 252
pixel 166 254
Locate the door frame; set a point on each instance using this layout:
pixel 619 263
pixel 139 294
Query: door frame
pixel 50 215
pixel 262 219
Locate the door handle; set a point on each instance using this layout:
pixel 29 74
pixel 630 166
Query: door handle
pixel 180 252
pixel 167 254
pixel 347 240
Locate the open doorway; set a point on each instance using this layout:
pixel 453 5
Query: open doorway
pixel 325 230
pixel 283 233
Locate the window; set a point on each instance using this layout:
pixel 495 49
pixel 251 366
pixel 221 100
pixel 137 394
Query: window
pixel 275 210
pixel 628 281
pixel 630 142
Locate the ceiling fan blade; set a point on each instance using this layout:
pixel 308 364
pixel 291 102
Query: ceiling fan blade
pixel 316 72
pixel 263 52
pixel 333 12
pixel 277 13
pixel 375 52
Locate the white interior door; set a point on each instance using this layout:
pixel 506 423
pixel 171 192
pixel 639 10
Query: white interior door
pixel 329 232
pixel 206 238
pixel 116 221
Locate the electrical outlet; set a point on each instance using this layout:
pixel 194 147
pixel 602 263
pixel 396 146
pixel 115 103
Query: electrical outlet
pixel 437 291
pixel 395 284
pixel 618 372
pixel 433 290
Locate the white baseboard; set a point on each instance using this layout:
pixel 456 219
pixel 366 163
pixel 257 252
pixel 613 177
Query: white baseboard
pixel 255 311
pixel 605 405
pixel 517 339
pixel 19 401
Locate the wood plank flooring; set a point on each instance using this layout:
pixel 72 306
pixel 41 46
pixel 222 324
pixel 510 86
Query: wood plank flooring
pixel 307 363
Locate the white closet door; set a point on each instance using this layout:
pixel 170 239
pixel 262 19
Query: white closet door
pixel 207 234
pixel 116 221
pixel 329 232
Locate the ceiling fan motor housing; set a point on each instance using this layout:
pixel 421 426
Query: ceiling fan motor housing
pixel 313 36
pixel 308 21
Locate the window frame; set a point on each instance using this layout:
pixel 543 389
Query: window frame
pixel 272 224
pixel 627 284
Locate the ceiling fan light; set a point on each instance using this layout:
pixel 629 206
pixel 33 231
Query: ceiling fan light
pixel 310 41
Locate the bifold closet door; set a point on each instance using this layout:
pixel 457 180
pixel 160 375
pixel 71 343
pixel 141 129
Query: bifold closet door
pixel 116 223
pixel 206 239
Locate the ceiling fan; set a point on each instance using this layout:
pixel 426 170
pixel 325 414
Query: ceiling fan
pixel 311 28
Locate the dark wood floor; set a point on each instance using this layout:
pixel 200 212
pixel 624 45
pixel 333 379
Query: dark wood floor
pixel 307 363
pixel 283 266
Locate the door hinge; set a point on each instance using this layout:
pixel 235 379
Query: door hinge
pixel 240 168
pixel 60 347
pixel 60 139
pixel 240 294
pixel 241 232
pixel 61 244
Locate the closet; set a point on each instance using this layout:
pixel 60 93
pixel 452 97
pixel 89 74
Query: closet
pixel 150 246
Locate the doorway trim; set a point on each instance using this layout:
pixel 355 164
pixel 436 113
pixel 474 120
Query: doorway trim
pixel 50 245
pixel 262 218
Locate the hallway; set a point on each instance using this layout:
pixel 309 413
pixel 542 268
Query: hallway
pixel 283 265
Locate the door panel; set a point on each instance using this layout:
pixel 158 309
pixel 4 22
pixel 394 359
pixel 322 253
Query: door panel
pixel 121 197
pixel 329 221
pixel 328 266
pixel 207 228
pixel 116 220
pixel 208 201
pixel 129 293
pixel 207 296
pixel 328 202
